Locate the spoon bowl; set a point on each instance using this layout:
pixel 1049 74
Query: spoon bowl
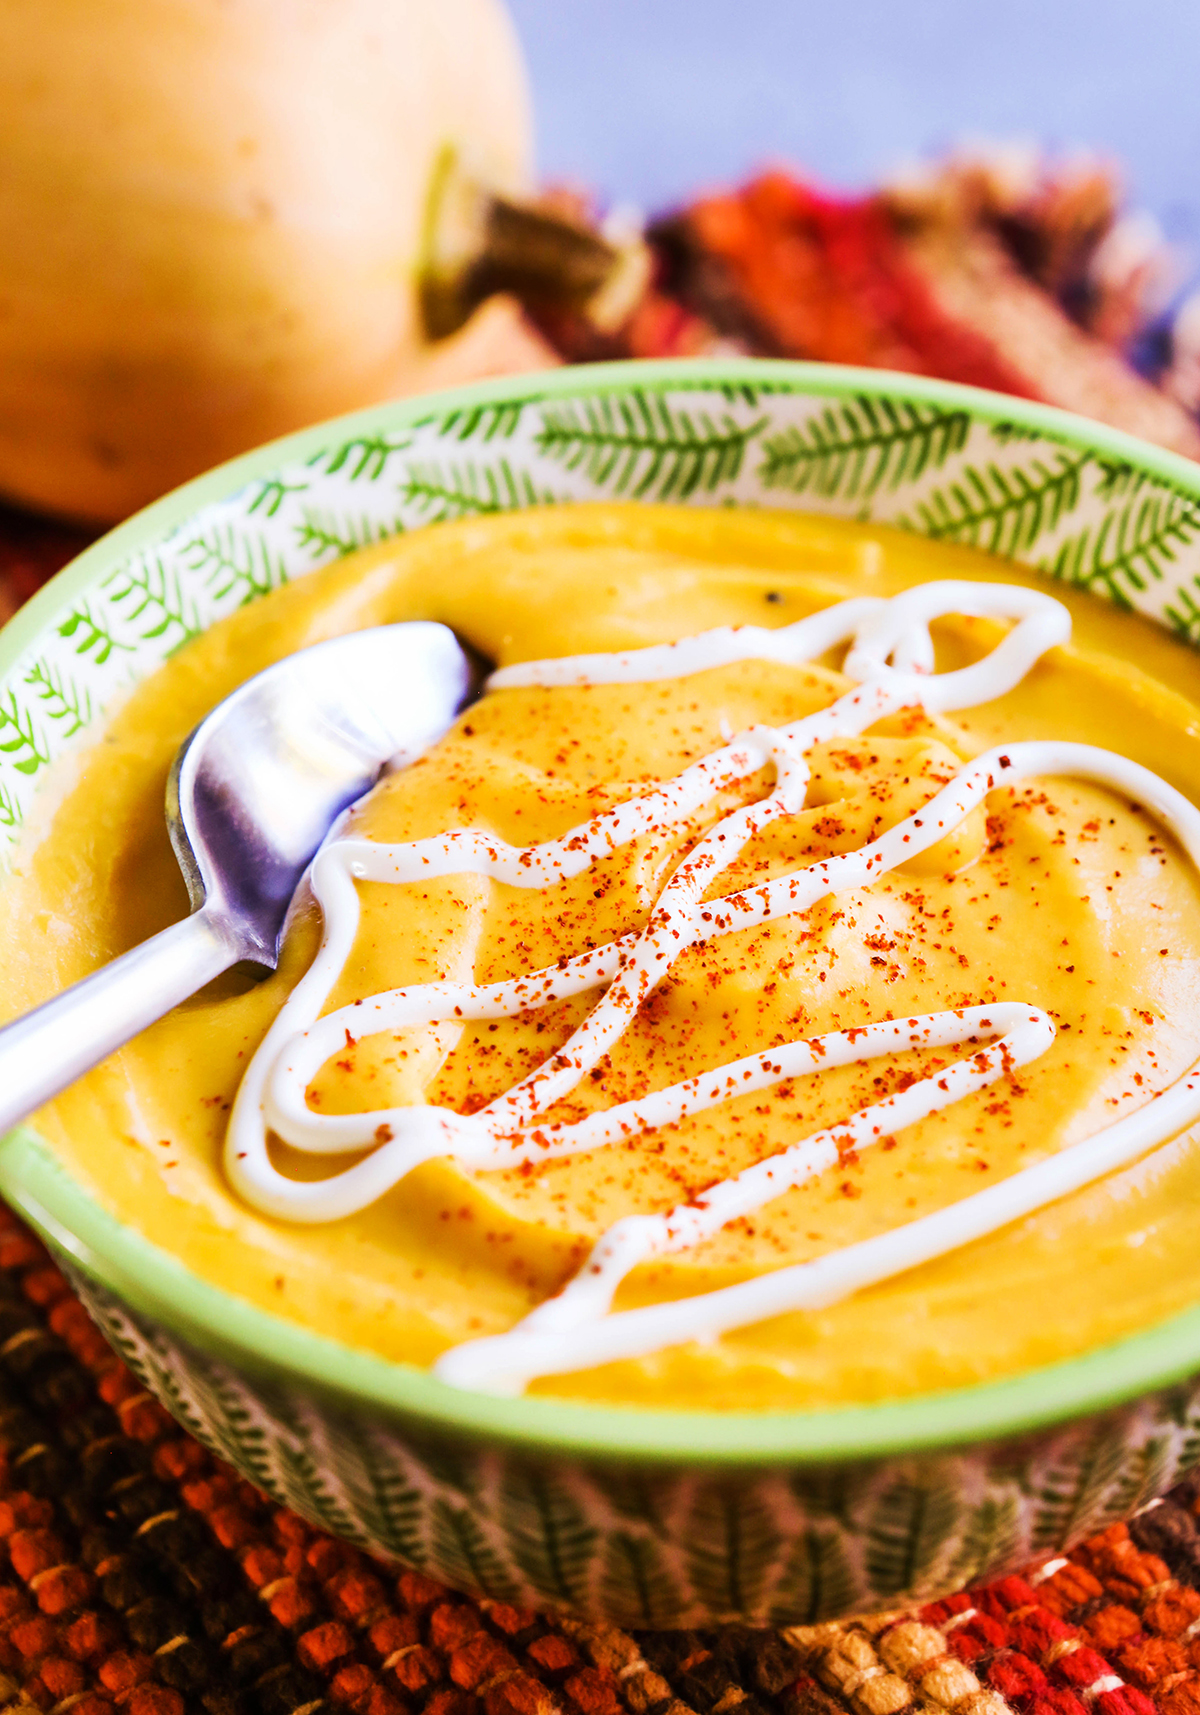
pixel 251 795
pixel 259 783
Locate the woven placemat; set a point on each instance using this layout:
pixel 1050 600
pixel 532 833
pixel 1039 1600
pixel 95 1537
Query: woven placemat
pixel 138 1572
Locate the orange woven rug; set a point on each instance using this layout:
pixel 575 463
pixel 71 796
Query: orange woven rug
pixel 139 1573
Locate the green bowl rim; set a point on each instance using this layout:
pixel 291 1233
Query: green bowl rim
pixel 157 1286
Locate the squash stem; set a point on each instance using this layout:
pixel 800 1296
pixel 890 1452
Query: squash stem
pixel 479 243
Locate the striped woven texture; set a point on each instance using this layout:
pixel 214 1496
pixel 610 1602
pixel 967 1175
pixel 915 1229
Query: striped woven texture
pixel 139 1573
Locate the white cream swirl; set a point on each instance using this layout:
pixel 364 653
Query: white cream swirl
pixel 890 656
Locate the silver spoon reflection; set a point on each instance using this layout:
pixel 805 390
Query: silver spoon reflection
pixel 251 795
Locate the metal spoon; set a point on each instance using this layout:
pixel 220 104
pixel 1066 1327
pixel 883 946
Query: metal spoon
pixel 251 795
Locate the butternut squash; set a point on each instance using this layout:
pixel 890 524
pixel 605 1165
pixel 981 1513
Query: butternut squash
pixel 212 215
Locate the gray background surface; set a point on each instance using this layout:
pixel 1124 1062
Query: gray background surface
pixel 650 100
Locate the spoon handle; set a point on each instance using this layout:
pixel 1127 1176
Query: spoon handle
pixel 43 1052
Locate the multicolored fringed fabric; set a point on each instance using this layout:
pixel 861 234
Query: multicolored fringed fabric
pixel 31 549
pixel 140 1574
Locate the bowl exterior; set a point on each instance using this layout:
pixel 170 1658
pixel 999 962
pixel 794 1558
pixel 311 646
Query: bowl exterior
pixel 671 1545
pixel 685 1538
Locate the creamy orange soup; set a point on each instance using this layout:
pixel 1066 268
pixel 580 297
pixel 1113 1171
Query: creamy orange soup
pixel 1056 892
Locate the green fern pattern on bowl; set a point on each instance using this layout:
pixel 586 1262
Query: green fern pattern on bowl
pixel 668 1548
pixel 939 470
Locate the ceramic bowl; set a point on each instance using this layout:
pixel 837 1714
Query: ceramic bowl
pixel 644 1517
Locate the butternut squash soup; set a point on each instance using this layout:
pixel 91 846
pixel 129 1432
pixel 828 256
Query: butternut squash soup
pixel 780 989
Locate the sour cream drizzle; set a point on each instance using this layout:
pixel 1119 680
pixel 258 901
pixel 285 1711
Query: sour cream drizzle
pixel 890 656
